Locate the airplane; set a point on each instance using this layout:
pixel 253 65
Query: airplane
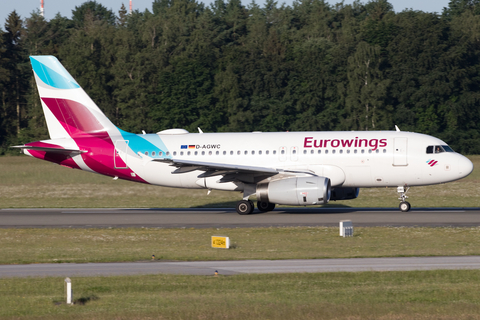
pixel 285 168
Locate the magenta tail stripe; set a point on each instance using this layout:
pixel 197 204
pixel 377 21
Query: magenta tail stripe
pixel 74 116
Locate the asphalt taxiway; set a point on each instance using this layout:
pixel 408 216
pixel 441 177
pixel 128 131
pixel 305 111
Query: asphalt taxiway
pixel 228 218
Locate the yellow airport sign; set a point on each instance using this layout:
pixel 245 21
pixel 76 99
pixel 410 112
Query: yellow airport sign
pixel 220 242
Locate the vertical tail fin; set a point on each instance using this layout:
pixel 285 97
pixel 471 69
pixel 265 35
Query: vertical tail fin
pixel 68 110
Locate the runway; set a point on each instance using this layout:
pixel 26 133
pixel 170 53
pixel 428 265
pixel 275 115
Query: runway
pixel 240 267
pixel 228 218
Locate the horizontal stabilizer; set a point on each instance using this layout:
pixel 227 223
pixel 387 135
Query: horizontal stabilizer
pixel 50 149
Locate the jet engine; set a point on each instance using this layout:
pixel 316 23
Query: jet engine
pixel 295 191
pixel 344 193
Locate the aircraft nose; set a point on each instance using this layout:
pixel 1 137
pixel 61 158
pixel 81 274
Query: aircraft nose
pixel 465 166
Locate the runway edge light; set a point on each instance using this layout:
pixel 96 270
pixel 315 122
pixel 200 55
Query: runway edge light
pixel 220 242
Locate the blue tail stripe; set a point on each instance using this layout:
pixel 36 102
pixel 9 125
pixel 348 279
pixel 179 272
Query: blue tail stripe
pixel 51 72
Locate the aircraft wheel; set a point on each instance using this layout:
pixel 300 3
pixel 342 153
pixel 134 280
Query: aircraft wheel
pixel 244 207
pixel 265 206
pixel 404 206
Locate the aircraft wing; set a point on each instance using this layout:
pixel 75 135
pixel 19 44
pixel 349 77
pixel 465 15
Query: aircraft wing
pixel 230 172
pixel 189 165
pixel 50 149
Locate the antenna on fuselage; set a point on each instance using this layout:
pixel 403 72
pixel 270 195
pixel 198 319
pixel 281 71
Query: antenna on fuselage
pixel 396 128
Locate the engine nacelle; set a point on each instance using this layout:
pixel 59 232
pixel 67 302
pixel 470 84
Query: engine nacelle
pixel 344 193
pixel 296 191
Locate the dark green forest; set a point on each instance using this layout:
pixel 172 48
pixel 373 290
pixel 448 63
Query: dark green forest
pixel 230 67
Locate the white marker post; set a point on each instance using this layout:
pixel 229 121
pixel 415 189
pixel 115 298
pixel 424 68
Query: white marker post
pixel 68 290
pixel 346 228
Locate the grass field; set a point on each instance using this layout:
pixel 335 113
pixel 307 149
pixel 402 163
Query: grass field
pixel 27 182
pixel 365 295
pixel 19 246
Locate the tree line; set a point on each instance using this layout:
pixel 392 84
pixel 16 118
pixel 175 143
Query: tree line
pixel 230 67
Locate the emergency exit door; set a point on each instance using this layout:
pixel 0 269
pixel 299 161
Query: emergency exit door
pixel 400 151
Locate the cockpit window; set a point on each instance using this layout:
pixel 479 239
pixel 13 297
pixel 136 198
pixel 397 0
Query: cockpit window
pixel 447 149
pixel 439 149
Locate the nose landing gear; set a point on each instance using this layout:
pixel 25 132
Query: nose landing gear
pixel 404 205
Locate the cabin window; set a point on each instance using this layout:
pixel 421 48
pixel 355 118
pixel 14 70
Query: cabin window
pixel 259 152
pixel 341 151
pixel 203 153
pixel 319 151
pixel 188 153
pixel 209 153
pixel 245 152
pixel 196 152
pixel 348 150
pixel 217 153
pixel 305 151
pixel 369 150
pixel 239 152
pixel 333 151
pixel 355 151
pixel 363 151
pixel 174 153
pixel 181 153
pixel 168 153
pixel 267 152
pixel 274 152
pixel 253 152
pixel 312 151
pixel 326 151
pixel 283 151
pixel 153 153
pixel 146 153
pixel 377 151
pixel 231 153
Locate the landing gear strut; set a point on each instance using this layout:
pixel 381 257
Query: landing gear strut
pixel 404 205
pixel 245 207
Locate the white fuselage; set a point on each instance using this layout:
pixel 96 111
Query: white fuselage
pixel 349 159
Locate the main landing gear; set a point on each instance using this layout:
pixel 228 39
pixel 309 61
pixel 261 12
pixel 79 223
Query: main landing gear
pixel 404 205
pixel 265 206
pixel 246 206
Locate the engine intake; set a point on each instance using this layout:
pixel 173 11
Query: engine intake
pixel 297 191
